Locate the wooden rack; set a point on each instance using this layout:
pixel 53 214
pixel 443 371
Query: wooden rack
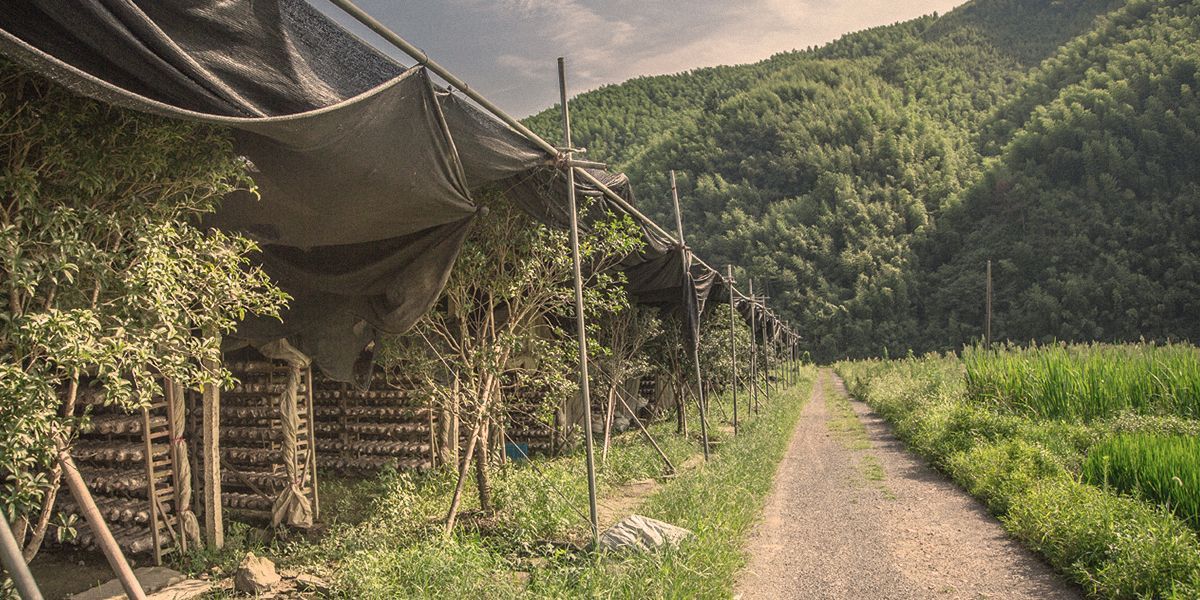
pixel 366 430
pixel 127 462
pixel 253 473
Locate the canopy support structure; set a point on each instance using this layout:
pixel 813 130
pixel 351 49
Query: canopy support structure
pixel 580 324
pixel 423 59
pixel 687 266
pixel 732 345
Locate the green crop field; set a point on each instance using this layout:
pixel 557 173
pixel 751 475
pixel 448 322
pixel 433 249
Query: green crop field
pixel 1089 454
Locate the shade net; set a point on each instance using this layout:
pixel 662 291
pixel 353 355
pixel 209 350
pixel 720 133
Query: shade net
pixel 364 167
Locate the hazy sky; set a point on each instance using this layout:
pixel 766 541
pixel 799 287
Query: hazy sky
pixel 506 49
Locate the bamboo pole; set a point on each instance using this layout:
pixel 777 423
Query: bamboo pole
pixel 580 324
pixel 646 433
pixel 151 491
pixel 687 266
pixel 15 566
pixel 733 345
pixel 103 537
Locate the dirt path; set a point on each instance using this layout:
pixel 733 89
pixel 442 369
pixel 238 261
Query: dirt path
pixel 854 515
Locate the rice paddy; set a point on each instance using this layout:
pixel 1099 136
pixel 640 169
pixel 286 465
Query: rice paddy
pixel 1087 382
pixel 1164 469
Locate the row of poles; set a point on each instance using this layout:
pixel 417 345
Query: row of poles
pixel 568 151
pixel 10 553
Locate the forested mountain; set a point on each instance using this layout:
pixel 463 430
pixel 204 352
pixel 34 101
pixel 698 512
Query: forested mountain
pixel 867 182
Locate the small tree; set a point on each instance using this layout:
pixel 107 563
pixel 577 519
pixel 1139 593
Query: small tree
pixel 624 335
pixel 512 281
pixel 715 359
pixel 106 275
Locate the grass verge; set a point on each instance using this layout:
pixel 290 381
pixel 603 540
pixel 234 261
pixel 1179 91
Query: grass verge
pixel 383 538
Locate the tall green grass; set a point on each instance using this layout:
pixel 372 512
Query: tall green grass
pixel 1087 382
pixel 1163 469
pixel 1025 459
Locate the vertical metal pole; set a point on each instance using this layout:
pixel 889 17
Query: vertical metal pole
pixel 733 345
pixel 753 350
pixel 687 265
pixel 580 326
pixel 987 335
pixel 766 357
pixel 14 564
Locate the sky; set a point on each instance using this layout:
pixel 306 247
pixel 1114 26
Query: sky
pixel 506 49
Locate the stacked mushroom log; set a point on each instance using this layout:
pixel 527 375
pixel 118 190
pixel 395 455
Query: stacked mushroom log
pixel 366 430
pixel 254 473
pixel 526 421
pixel 128 464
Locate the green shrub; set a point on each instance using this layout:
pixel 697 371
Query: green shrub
pixel 1116 547
pixel 1000 473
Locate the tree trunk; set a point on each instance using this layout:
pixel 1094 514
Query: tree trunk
pixel 680 408
pixel 482 477
pixel 456 499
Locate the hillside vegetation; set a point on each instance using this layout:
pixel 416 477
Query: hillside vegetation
pixel 866 183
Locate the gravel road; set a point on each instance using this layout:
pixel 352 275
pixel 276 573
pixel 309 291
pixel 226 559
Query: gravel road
pixel 854 515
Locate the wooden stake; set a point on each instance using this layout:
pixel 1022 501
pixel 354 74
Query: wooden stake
pixel 687 266
pixel 210 406
pixel 91 514
pixel 312 446
pixel 580 325
pixel 151 492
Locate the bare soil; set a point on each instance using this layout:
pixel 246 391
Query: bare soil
pixel 855 515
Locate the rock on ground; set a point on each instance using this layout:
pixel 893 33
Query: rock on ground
pixel 639 533
pixel 157 582
pixel 255 575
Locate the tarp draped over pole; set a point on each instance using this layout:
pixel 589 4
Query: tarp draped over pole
pixel 364 167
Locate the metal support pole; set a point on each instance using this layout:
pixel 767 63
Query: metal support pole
pixel 14 564
pixel 580 325
pixel 753 351
pixel 732 345
pixel 766 357
pixel 687 265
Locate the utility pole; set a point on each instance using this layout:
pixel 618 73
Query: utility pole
pixel 580 325
pixel 987 331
